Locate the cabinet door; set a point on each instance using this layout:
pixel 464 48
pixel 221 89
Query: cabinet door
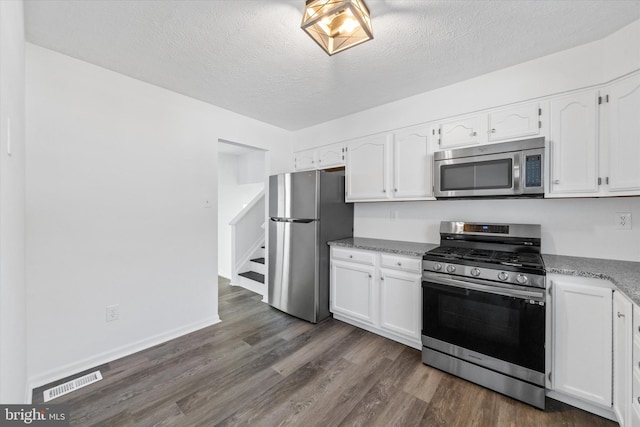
pixel 412 164
pixel 573 139
pixel 352 291
pixel 368 168
pixel 622 359
pixel 331 156
pixel 514 122
pixel 623 136
pixel 400 303
pixel 304 160
pixel 582 340
pixel 459 132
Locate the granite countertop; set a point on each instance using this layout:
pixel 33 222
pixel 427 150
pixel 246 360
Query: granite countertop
pixel 624 274
pixel 389 246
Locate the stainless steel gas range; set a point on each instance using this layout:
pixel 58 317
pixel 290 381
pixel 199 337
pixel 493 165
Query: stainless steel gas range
pixel 483 307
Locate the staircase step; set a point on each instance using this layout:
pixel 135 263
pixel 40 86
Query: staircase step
pixel 253 276
pixel 258 260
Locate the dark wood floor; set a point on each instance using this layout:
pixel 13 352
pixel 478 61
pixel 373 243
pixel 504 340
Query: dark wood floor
pixel 260 367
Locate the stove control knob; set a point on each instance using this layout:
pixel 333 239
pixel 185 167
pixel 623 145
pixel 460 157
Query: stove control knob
pixel 451 268
pixel 475 272
pixel 522 279
pixel 503 276
pixel 437 266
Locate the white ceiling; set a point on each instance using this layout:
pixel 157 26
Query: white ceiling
pixel 251 57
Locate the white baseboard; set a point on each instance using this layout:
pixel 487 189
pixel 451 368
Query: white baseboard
pixel 415 343
pixel 585 406
pixel 111 355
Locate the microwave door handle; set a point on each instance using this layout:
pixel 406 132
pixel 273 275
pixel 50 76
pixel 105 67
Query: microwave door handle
pixel 517 173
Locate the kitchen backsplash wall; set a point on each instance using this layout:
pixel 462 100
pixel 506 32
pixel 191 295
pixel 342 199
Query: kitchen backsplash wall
pixel 577 227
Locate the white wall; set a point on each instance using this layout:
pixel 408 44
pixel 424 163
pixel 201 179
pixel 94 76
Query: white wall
pixel 587 65
pixel 580 227
pixel 251 168
pixel 576 227
pixel 233 195
pixel 13 347
pixel 118 175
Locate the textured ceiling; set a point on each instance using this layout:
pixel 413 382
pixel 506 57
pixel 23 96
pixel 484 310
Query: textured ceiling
pixel 251 57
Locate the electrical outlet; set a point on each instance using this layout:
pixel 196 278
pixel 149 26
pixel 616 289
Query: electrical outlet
pixel 113 312
pixel 623 220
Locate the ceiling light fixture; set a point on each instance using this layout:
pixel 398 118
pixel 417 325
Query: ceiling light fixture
pixel 337 25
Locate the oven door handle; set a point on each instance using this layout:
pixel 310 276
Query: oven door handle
pixel 508 292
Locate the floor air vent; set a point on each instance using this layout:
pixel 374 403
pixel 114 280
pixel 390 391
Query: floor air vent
pixel 72 385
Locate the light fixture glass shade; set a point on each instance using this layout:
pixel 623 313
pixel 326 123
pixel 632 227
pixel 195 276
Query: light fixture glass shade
pixel 337 25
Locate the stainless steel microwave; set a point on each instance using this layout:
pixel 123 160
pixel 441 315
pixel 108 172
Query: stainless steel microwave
pixel 508 169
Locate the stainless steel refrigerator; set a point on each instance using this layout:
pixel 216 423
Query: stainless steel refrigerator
pixel 306 210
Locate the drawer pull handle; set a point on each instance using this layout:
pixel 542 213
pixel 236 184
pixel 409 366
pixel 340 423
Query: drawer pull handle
pixel 620 314
pixel 350 256
pixel 399 264
pixel 369 276
pixel 382 278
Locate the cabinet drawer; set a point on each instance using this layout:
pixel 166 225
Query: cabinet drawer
pixel 354 256
pixel 413 265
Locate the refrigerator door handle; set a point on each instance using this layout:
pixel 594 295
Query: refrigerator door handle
pixel 294 220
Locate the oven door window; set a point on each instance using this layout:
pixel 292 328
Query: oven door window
pixel 479 175
pixel 507 328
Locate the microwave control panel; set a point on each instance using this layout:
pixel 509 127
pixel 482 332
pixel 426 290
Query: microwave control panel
pixel 533 171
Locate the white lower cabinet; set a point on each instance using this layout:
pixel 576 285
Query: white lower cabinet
pixel 635 368
pixel 378 292
pixel 353 291
pixel 622 358
pixel 582 338
pixel 399 312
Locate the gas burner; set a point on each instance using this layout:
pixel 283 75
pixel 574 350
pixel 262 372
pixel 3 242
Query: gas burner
pixel 478 255
pixel 448 252
pixel 518 259
pixel 510 258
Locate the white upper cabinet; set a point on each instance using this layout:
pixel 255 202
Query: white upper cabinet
pixel 304 160
pixel 622 102
pixel 595 141
pixel 330 156
pixel 412 164
pixel 460 131
pixel 367 168
pixel 325 157
pixel 573 144
pixel 514 122
pixel 389 166
pixel 496 125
